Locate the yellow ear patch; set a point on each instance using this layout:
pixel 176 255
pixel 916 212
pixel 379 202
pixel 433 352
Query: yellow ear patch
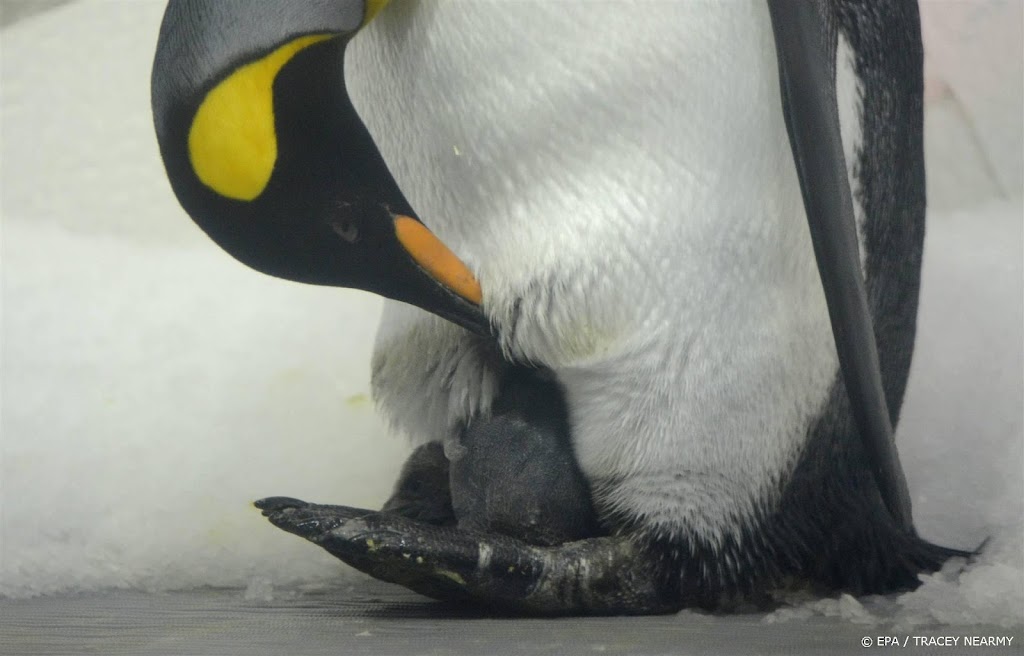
pixel 232 144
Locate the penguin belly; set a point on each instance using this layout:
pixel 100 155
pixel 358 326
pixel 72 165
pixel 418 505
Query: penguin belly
pixel 628 202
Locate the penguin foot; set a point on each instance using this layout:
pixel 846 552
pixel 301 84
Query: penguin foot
pixel 597 576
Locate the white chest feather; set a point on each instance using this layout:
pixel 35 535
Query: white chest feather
pixel 619 177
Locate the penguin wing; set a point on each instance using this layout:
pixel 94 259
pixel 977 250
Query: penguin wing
pixel 805 42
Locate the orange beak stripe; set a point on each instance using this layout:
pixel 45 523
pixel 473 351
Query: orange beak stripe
pixel 436 259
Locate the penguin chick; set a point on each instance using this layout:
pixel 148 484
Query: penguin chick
pixel 422 492
pixel 514 473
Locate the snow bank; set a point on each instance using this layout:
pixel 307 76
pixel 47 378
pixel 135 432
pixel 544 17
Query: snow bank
pixel 152 387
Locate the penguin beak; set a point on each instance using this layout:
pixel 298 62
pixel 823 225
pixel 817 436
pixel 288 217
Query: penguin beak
pixel 437 260
pixel 449 289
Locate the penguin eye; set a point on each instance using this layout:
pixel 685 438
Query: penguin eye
pixel 347 230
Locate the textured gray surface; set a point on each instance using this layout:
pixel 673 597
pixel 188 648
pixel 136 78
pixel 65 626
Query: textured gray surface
pixel 367 617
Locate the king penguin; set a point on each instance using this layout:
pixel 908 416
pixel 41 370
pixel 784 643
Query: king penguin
pixel 630 209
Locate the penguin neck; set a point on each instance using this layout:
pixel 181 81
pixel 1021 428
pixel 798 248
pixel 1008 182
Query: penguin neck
pixel 324 145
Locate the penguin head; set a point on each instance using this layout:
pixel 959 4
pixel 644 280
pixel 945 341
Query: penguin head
pixel 267 155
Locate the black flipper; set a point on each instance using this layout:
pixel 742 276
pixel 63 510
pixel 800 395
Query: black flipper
pixel 805 41
pixel 599 576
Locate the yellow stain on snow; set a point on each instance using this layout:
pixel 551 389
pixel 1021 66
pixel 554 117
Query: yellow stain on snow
pixel 357 400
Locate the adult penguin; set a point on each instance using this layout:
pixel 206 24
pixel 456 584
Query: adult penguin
pixel 628 202
pixel 265 151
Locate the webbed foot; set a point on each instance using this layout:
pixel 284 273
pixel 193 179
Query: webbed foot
pixel 597 576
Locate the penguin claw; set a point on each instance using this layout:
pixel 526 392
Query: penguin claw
pixel 270 504
pixel 597 576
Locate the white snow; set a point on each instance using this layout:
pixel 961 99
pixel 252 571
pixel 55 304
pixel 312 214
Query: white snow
pixel 152 387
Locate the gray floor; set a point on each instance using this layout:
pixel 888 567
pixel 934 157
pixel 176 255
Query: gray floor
pixel 374 618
